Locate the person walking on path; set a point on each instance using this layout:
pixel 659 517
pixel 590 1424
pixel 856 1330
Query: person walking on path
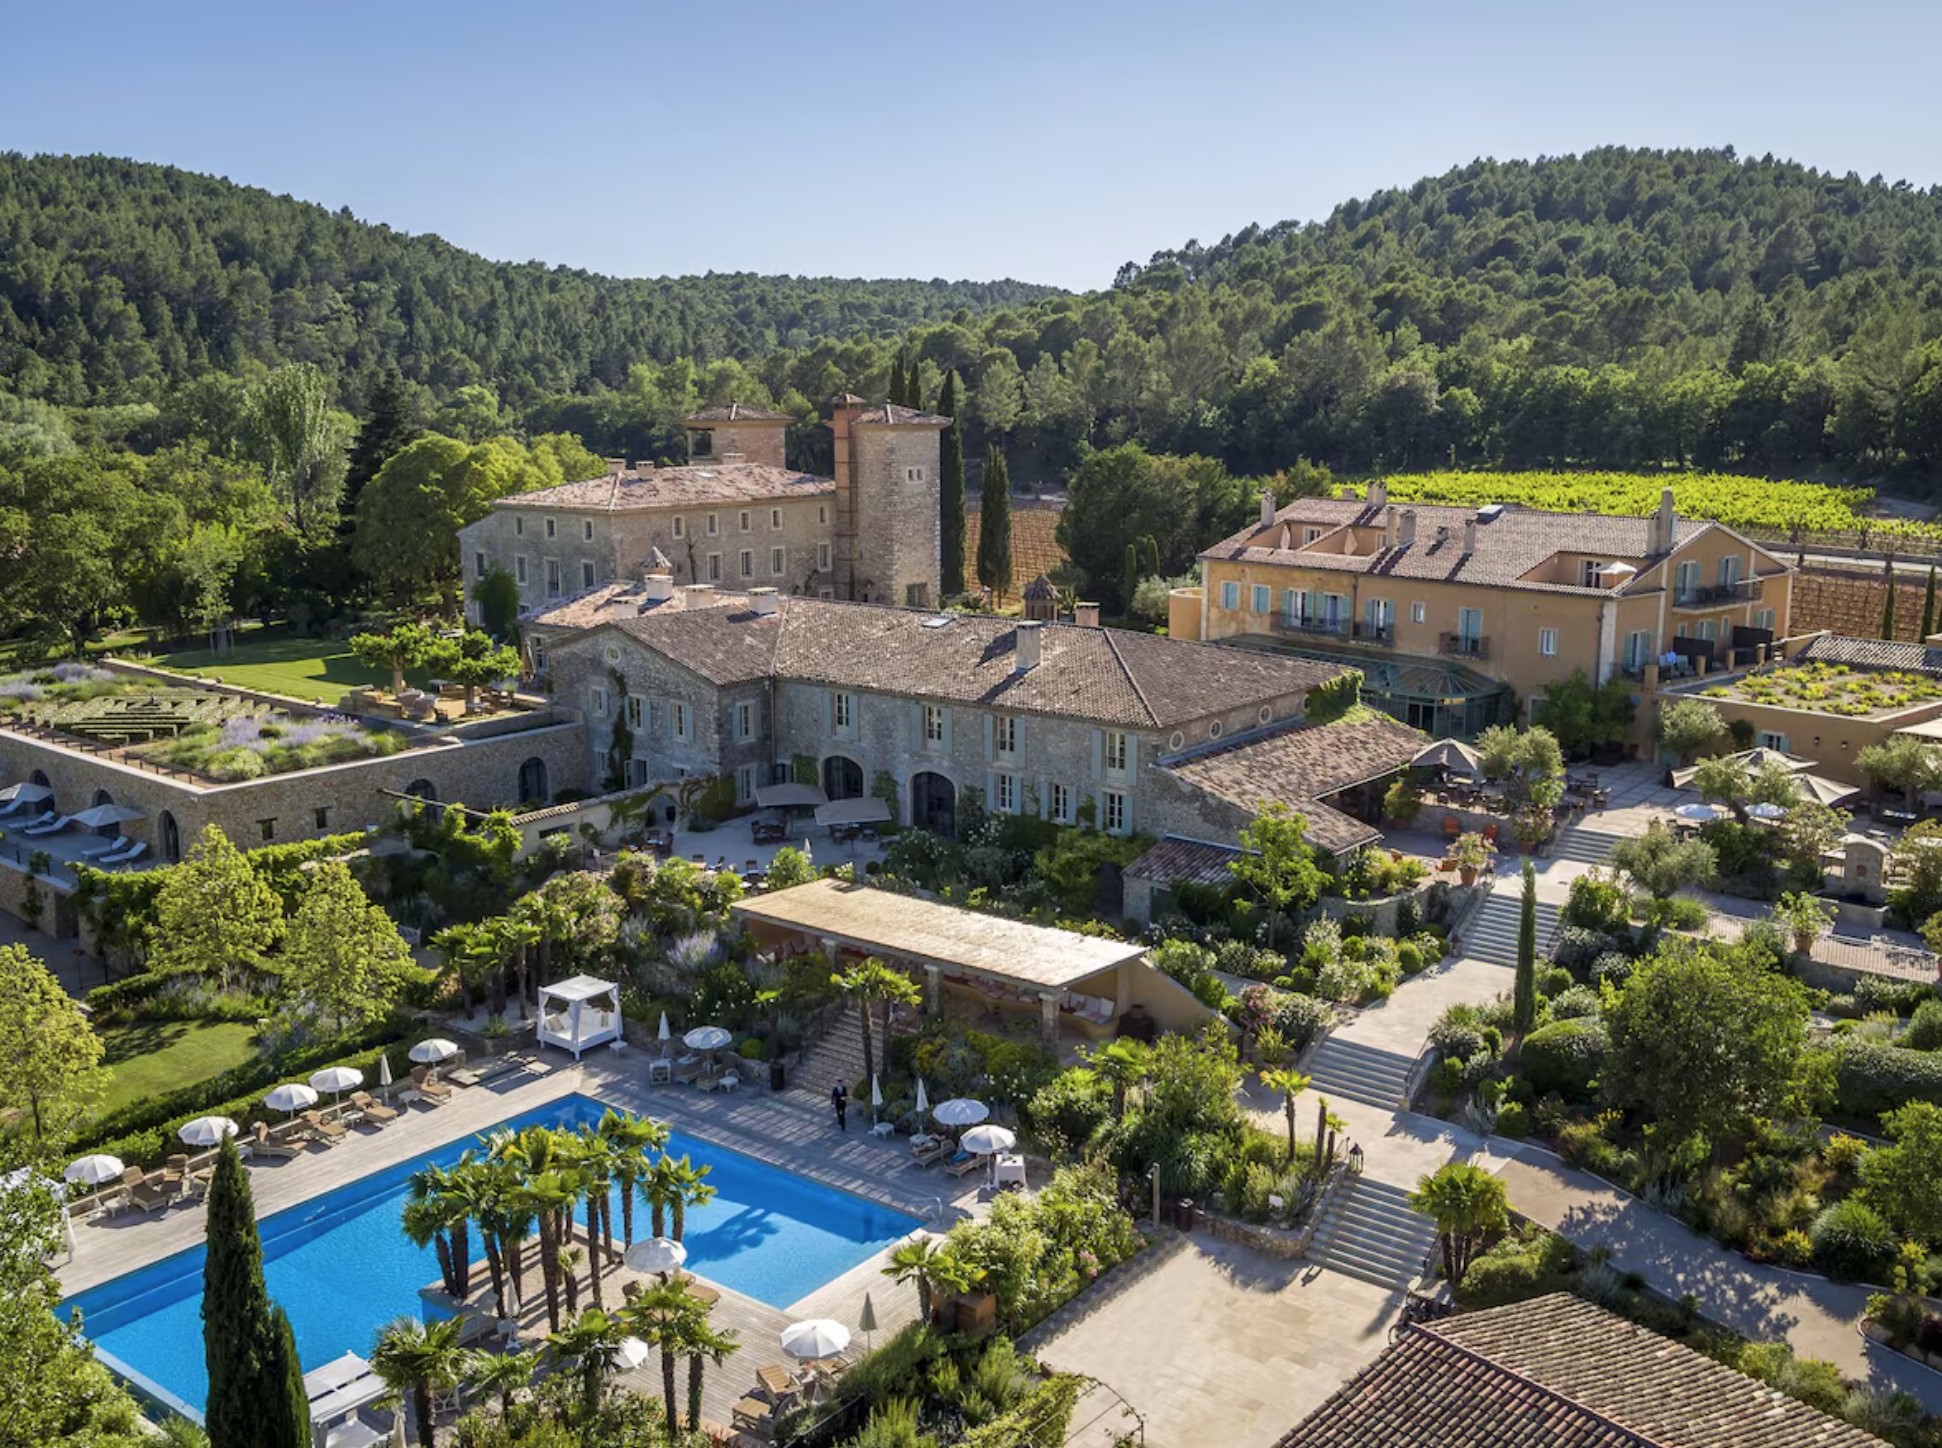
pixel 839 1097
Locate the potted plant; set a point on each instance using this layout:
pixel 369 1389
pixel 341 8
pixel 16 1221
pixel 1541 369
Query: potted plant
pixel 1804 916
pixel 1401 803
pixel 1530 827
pixel 1472 853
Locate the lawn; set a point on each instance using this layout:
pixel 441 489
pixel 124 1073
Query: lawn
pixel 303 668
pixel 150 1058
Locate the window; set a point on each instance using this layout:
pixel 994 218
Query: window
pixel 1770 740
pixel 598 702
pixel 1470 626
pixel 551 530
pixel 745 722
pixel 1707 629
pixel 1230 595
pixel 519 570
pixel 842 710
pixel 1004 735
pixel 1588 573
pixel 1115 812
pixel 636 711
pixel 680 526
pixel 636 773
pixel 1007 792
pixel 586 573
pixel 1729 570
pixel 1687 583
pixel 913 475
pixel 822 557
pixel 776 561
pixel 745 520
pixel 539 653
pixel 552 578
pixel 323 816
pixel 680 720
pixel 1547 642
pixel 748 563
pixel 714 524
pixel 1418 612
pixel 1262 598
pixel 518 526
pixel 775 517
pixel 268 828
pixel 1763 618
pixel 586 529
pixel 1294 603
pixel 822 512
pixel 714 568
pixel 745 782
pixel 1309 535
pixel 1638 649
pixel 933 724
pixel 1378 619
pixel 1060 804
pixel 478 565
pixel 1116 750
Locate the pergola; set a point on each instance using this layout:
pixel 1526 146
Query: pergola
pixel 579 1014
pixel 997 960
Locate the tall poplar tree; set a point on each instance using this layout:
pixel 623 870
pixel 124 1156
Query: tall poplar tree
pixel 387 429
pixel 994 525
pixel 950 490
pixel 897 379
pixel 1523 1008
pixel 253 1401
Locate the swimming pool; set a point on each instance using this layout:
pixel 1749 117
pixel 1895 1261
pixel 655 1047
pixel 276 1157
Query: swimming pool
pixel 341 1266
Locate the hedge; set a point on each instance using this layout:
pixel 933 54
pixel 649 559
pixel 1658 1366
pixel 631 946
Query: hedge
pixel 1872 1078
pixel 1565 1056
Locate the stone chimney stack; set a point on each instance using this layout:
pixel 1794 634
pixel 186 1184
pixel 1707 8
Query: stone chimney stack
pixel 1031 646
pixel 1469 537
pixel 1378 494
pixel 1406 532
pixel 1665 523
pixel 842 411
pixel 1267 507
pixel 1388 528
pixel 1086 615
pixel 659 587
pixel 762 601
pixel 616 466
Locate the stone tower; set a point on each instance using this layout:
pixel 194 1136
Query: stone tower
pixel 735 432
pixel 886 525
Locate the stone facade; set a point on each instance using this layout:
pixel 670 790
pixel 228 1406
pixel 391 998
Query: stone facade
pixel 898 544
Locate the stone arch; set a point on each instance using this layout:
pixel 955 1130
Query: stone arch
pixel 101 797
pixel 168 835
pixel 532 782
pixel 842 777
pixel 422 789
pixel 934 803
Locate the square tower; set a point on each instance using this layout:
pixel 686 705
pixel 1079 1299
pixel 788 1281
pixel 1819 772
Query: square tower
pixel 737 432
pixel 888 548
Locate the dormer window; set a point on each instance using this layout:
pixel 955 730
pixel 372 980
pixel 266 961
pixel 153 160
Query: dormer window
pixel 1309 535
pixel 1588 573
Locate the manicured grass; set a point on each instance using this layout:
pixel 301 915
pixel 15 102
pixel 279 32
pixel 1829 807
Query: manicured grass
pixel 303 668
pixel 148 1058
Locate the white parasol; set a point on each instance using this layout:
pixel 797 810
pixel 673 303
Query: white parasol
pixel 384 1069
pixel 207 1130
pixel 706 1038
pixel 628 1354
pixel 430 1053
pixel 337 1079
pixel 923 1097
pixel 94 1170
pixel 987 1140
pixel 1766 811
pixel 820 1337
pixel 961 1111
pixel 655 1254
pixel 1699 814
pixel 292 1096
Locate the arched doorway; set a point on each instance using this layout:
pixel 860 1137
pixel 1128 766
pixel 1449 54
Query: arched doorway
pixel 532 781
pixel 934 804
pixel 170 835
pixel 842 777
pixel 422 789
pixel 101 797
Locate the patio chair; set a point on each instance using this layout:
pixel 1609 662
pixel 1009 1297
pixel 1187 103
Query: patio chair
pixel 374 1111
pixel 107 847
pixel 428 1086
pixel 267 1144
pixel 49 824
pixel 962 1162
pixel 935 1148
pixel 329 1132
pixel 753 1415
pixel 776 1384
pixel 660 1071
pixel 1452 826
pixel 145 1195
pixel 133 852
pixel 688 1069
pixel 175 1171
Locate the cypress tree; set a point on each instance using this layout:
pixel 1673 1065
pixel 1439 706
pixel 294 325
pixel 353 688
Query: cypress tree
pixel 1152 547
pixel 950 491
pixel 913 386
pixel 387 429
pixel 994 525
pixel 1888 602
pixel 252 1398
pixel 897 379
pixel 1130 583
pixel 1928 604
pixel 1523 1009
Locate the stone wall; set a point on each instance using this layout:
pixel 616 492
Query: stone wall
pixel 898 547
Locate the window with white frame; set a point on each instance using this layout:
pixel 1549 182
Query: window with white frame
pixel 842 710
pixel 1547 642
pixel 1230 595
pixel 680 526
pixel 1780 743
pixel 636 773
pixel 1638 649
pixel 714 568
pixel 1309 535
pixel 745 520
pixel 745 721
pixel 748 563
pixel 1418 612
pixel 636 711
pixel 822 557
pixel 1059 804
pixel 744 782
pixel 1115 812
pixel 586 573
pixel 1763 618
pixel 1007 788
pixel 538 646
pixel 679 719
pixel 519 569
pixel 776 561
pixel 1587 573
pixel 775 517
pixel 714 524
pixel 1004 734
pixel 599 702
pixel 1261 598
pixel 933 724
pixel 1117 750
pixel 551 530
pixel 1686 582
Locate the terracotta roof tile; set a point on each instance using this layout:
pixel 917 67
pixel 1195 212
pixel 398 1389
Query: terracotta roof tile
pixel 1558 1372
pixel 895 414
pixel 1872 654
pixel 1175 861
pixel 734 412
pixel 638 489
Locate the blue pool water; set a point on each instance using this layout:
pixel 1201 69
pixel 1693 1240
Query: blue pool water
pixel 342 1268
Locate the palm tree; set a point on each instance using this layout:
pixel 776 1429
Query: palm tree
pixel 675 1321
pixel 871 980
pixel 1468 1205
pixel 689 1190
pixel 635 1136
pixel 504 1373
pixel 505 1221
pixel 586 1346
pixel 1290 1083
pixel 918 1261
pixel 706 1343
pixel 417 1359
pixel 657 1190
pixel 1120 1063
pixel 548 1196
pixel 1321 1131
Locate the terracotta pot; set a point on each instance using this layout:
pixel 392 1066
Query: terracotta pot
pixel 1804 943
pixel 1467 873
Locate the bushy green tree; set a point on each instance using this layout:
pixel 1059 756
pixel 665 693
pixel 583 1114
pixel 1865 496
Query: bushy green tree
pixel 1585 717
pixel 1690 727
pixel 50 1057
pixel 343 959
pixel 215 917
pixel 1278 864
pixel 1469 1207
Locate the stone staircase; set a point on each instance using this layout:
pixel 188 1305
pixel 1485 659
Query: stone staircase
pixel 1586 846
pixel 1490 934
pixel 1368 1232
pixel 837 1055
pixel 1343 1068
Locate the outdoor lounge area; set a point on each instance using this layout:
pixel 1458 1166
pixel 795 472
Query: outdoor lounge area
pixel 977 961
pixel 578 1014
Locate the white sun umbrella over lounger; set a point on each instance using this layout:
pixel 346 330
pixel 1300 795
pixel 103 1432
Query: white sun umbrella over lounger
pixel 94 1170
pixel 1700 814
pixel 655 1254
pixel 988 1140
pixel 923 1098
pixel 961 1111
pixel 430 1053
pixel 337 1079
pixel 628 1354
pixel 291 1097
pixel 820 1337
pixel 207 1130
pixel 706 1038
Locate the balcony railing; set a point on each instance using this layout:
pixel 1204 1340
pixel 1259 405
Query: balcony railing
pixel 1333 627
pixel 1744 590
pixel 1375 633
pixel 1464 646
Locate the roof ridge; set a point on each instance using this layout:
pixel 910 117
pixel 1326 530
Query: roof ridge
pixel 1430 1329
pixel 1152 714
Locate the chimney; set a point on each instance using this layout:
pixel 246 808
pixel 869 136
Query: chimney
pixel 762 601
pixel 1267 507
pixel 1664 524
pixel 1406 532
pixel 659 587
pixel 1086 615
pixel 1378 494
pixel 843 411
pixel 697 595
pixel 729 459
pixel 616 466
pixel 1388 525
pixel 1469 537
pixel 1030 647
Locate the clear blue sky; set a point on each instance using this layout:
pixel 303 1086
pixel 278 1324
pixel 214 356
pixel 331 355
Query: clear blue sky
pixel 1047 141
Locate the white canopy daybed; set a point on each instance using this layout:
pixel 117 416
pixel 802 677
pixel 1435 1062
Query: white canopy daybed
pixel 578 1014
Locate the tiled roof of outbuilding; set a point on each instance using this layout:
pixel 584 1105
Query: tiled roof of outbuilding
pixel 639 489
pixel 1872 654
pixel 1558 1372
pixel 733 412
pixel 895 414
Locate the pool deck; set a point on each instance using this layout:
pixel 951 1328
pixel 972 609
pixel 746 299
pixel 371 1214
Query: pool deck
pixel 773 1129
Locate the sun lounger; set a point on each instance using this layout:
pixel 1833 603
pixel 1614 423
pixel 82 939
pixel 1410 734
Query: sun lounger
pixel 428 1086
pixel 935 1148
pixel 755 1415
pixel 963 1162
pixel 778 1384
pixel 144 1194
pixel 48 825
pixel 107 847
pixel 268 1143
pixel 491 1070
pixel 124 857
pixel 328 1131
pixel 373 1110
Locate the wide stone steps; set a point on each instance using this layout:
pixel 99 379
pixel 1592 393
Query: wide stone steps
pixel 1490 934
pixel 1344 1068
pixel 1586 846
pixel 838 1056
pixel 1369 1233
